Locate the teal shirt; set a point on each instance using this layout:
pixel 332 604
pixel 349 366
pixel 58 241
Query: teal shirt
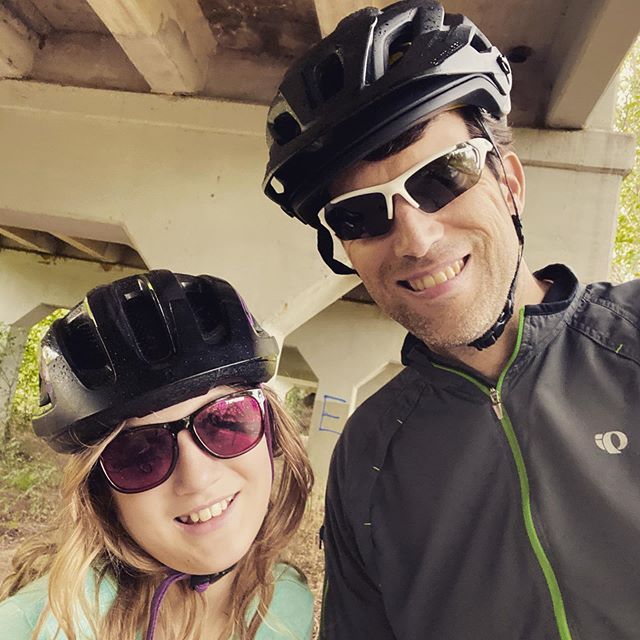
pixel 290 614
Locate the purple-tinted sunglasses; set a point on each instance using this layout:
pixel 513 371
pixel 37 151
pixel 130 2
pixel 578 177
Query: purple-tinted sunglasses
pixel 141 458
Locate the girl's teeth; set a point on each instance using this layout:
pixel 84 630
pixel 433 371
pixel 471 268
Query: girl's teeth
pixel 207 513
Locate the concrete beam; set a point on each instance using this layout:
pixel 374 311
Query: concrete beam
pixel 31 284
pixel 588 49
pixel 168 41
pixel 96 60
pixel 581 151
pixel 126 109
pixel 18 45
pixel 331 12
pixel 93 249
pixel 30 240
pixel 31 15
pixel 86 60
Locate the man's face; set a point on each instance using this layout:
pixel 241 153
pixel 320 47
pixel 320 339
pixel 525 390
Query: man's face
pixel 444 276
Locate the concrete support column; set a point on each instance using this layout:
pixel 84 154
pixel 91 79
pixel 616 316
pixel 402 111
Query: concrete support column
pixel 12 343
pixel 573 182
pixel 353 349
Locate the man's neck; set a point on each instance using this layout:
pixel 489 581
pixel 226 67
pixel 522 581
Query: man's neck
pixel 490 362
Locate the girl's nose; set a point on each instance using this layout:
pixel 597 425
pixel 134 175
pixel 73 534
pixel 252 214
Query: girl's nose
pixel 196 470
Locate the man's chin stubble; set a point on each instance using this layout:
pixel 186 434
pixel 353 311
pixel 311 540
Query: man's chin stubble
pixel 460 333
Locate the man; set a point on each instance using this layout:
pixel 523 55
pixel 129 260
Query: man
pixel 474 497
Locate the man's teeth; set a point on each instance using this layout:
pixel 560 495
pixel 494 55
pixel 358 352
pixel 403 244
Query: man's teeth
pixel 207 513
pixel 437 277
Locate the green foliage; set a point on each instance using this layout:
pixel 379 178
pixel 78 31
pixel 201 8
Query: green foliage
pixel 299 404
pixel 626 257
pixel 30 472
pixel 27 393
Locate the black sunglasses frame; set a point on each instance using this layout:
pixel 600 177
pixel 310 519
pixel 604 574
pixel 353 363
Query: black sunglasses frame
pixel 175 426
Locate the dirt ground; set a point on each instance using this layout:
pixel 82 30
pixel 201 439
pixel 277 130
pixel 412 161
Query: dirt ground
pixel 5 560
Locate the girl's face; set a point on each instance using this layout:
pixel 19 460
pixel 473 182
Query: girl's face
pixel 228 497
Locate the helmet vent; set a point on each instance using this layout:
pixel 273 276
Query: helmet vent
pixel 285 128
pixel 276 185
pixel 480 44
pixel 147 325
pixel 44 397
pixel 85 352
pixel 202 299
pixel 330 76
pixel 399 45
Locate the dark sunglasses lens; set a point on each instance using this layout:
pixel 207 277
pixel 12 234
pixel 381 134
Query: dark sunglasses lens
pixel 139 459
pixel 441 181
pixel 230 426
pixel 362 216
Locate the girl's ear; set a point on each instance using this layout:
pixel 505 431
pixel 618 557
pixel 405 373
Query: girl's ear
pixel 513 178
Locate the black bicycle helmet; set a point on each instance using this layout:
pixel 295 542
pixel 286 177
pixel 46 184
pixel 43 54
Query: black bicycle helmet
pixel 376 75
pixel 140 344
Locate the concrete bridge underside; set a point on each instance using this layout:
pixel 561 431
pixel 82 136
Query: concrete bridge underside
pixel 179 181
pixel 130 178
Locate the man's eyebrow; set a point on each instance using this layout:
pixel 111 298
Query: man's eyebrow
pixel 429 120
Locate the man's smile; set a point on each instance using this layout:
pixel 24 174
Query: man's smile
pixel 434 277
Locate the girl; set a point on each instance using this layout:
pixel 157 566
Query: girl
pixel 153 385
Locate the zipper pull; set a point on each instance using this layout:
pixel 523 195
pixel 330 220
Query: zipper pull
pixel 496 402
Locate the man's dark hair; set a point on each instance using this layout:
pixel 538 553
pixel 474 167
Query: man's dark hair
pixel 498 128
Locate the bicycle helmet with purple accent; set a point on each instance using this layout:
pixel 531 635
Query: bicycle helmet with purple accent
pixel 141 344
pixel 376 75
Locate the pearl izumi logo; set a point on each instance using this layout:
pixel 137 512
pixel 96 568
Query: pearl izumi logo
pixel 612 441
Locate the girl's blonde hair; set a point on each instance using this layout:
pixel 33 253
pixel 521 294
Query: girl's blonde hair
pixel 89 536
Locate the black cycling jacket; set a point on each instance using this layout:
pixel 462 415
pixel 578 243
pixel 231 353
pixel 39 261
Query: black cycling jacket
pixel 459 509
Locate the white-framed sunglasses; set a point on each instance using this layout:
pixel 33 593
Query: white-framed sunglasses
pixel 429 185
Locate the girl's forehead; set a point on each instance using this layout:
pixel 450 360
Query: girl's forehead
pixel 180 409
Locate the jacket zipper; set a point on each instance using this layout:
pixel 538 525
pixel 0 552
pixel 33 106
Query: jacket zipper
pixel 496 403
pixel 495 395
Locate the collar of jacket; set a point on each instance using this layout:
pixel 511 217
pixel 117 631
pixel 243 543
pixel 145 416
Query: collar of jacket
pixel 542 321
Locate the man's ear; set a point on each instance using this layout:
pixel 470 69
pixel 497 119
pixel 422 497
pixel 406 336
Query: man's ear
pixel 514 179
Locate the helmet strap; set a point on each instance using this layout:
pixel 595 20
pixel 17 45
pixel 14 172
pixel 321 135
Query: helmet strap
pixel 197 583
pixel 325 248
pixel 490 337
pixel 268 432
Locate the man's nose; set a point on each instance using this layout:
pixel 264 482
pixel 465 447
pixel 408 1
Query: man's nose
pixel 414 231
